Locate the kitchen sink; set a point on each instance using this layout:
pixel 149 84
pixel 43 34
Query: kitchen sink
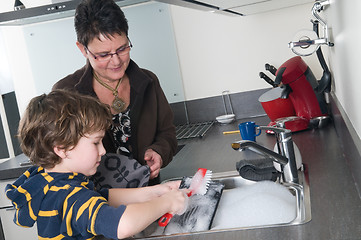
pixel 298 195
pixel 300 191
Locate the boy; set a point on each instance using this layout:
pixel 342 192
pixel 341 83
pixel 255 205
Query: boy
pixel 62 135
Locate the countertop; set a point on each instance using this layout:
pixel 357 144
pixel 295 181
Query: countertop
pixel 335 203
pixel 14 167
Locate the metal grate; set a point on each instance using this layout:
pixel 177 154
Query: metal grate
pixel 192 130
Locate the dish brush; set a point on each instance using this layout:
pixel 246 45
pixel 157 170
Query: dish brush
pixel 199 185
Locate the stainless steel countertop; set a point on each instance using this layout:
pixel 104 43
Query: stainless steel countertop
pixel 335 203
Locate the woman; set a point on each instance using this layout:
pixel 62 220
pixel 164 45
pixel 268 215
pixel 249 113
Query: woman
pixel 142 118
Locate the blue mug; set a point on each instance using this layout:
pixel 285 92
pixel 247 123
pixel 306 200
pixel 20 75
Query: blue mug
pixel 248 131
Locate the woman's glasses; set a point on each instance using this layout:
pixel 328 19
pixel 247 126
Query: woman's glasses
pixel 103 57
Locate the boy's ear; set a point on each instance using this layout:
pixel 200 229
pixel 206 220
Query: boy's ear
pixel 61 152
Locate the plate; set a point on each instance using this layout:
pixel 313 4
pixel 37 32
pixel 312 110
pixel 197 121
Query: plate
pixel 225 119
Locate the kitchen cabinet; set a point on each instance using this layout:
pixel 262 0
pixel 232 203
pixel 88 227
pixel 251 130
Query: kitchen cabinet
pixel 11 231
pixel 8 129
pixel 237 7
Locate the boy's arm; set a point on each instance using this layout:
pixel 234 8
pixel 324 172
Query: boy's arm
pixel 138 216
pixel 125 196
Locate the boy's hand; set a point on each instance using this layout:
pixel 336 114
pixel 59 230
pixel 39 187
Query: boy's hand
pixel 179 200
pixel 161 189
pixel 173 184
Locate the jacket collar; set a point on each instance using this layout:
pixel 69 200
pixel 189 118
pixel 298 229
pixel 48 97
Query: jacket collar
pixel 85 84
pixel 137 78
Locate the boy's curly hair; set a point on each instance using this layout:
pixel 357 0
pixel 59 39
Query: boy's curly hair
pixel 59 118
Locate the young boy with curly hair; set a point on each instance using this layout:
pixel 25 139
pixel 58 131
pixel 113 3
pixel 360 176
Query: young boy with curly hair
pixel 61 133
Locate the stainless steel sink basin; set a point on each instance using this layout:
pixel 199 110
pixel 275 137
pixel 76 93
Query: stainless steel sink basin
pixel 232 181
pixel 301 191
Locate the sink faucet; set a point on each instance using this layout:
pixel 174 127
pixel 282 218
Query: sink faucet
pixel 285 157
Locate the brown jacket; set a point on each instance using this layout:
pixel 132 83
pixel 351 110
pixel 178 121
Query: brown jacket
pixel 151 116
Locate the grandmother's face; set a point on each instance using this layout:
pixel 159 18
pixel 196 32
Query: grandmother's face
pixel 109 57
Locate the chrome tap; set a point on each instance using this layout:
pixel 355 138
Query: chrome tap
pixel 285 157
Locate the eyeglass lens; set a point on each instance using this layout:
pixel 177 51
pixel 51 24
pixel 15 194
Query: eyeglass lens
pixel 107 56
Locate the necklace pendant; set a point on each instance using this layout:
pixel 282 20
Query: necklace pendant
pixel 118 104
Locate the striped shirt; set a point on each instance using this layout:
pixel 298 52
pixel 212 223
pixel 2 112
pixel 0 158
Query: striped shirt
pixel 64 205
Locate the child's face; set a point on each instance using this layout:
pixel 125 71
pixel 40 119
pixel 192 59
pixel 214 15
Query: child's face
pixel 86 155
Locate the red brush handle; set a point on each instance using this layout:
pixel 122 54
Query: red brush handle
pixel 164 220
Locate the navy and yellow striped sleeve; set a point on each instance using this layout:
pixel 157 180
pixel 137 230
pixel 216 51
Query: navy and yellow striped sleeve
pixel 21 198
pixel 86 212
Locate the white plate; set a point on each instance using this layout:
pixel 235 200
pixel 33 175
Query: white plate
pixel 225 119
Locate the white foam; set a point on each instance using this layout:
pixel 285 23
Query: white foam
pixel 200 219
pixel 262 203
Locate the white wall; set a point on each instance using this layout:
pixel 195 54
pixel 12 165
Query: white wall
pixel 40 54
pixel 343 18
pixel 219 52
pixel 36 58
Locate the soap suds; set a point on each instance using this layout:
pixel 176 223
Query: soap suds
pixel 199 213
pixel 262 203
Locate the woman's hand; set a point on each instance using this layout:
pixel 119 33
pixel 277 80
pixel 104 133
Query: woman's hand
pixel 154 161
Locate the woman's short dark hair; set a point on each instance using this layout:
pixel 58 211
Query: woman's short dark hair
pixel 99 17
pixel 59 118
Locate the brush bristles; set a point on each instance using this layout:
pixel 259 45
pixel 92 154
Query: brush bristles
pixel 203 188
